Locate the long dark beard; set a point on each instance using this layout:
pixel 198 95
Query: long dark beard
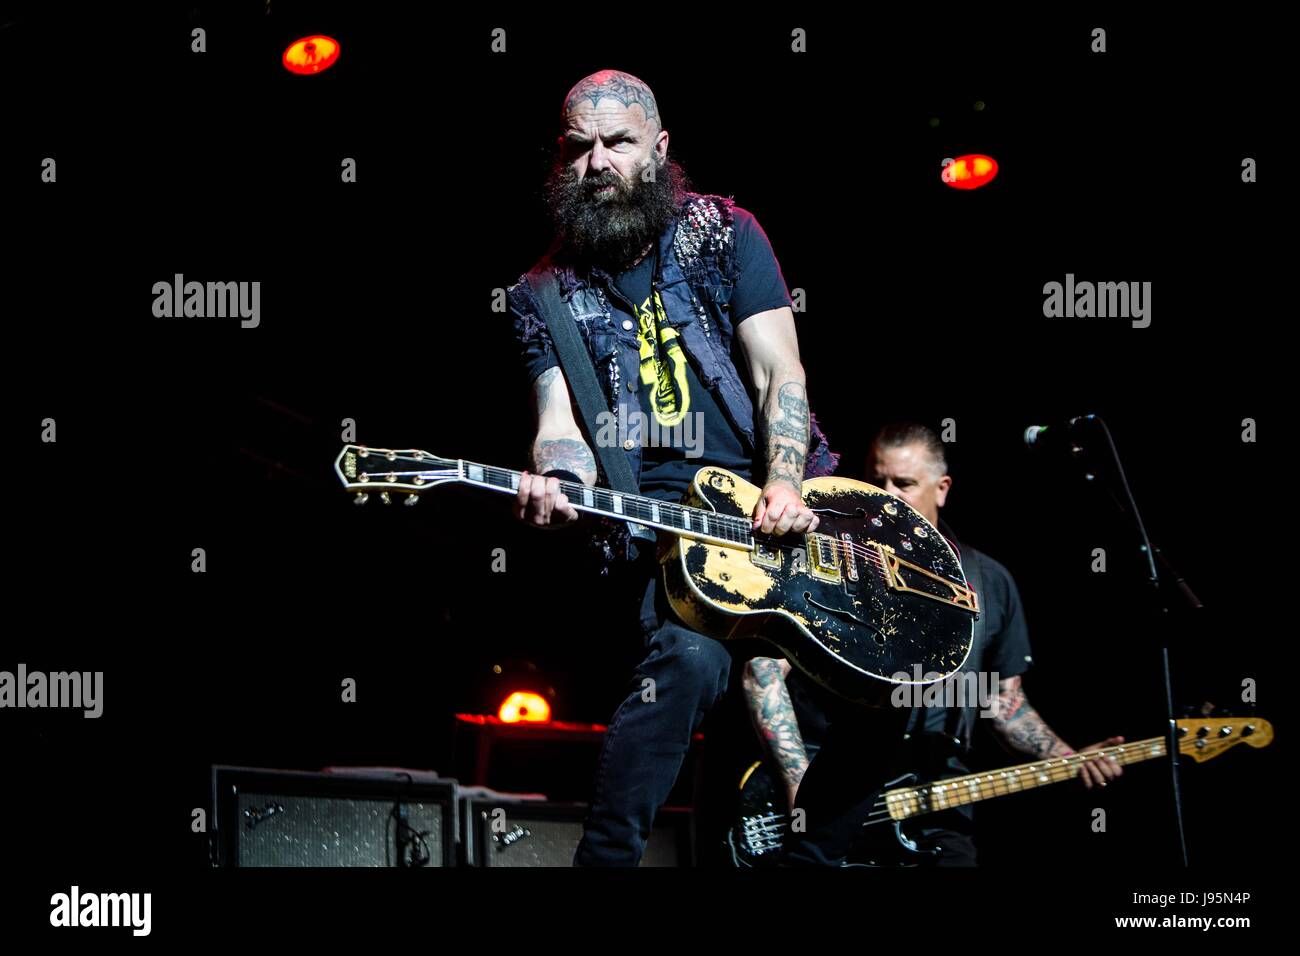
pixel 613 232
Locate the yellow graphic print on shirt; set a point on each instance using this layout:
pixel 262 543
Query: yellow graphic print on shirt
pixel 663 365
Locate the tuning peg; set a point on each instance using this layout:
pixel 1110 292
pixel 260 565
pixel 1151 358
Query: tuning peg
pixel 411 499
pixel 386 498
pixel 361 498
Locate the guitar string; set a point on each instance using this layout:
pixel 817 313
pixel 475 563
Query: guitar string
pixel 736 524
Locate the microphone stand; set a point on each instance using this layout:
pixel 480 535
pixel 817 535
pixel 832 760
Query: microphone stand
pixel 1155 560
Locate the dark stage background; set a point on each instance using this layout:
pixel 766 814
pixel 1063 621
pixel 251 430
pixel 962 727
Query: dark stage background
pixel 923 302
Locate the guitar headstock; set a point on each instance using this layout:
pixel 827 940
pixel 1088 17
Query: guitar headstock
pixel 383 471
pixel 1204 737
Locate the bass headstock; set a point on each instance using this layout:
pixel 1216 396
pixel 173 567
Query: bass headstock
pixel 1204 737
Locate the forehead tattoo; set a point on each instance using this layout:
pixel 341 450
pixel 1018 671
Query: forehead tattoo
pixel 616 85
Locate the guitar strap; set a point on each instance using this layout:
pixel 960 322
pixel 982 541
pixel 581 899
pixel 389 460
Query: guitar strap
pixel 581 377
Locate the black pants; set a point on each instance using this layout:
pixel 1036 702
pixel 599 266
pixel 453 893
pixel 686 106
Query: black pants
pixel 681 678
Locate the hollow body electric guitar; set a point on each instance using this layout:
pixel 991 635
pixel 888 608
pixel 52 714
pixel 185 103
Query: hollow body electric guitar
pixel 761 821
pixel 873 598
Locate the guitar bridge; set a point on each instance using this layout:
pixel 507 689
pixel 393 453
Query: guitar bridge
pixel 764 555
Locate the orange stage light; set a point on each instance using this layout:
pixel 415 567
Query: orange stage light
pixel 311 55
pixel 970 172
pixel 524 706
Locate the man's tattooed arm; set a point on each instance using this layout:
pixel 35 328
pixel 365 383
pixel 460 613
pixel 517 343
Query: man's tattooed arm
pixel 559 442
pixel 785 428
pixel 569 454
pixel 1020 727
pixel 773 715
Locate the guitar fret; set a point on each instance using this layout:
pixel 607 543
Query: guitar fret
pixel 730 528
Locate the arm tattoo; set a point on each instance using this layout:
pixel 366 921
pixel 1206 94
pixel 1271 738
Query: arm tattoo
pixel 569 454
pixel 774 719
pixel 785 425
pixel 1020 726
pixel 542 389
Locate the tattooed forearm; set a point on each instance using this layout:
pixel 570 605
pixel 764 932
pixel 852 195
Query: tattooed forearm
pixel 558 443
pixel 570 454
pixel 785 428
pixel 774 719
pixel 1021 728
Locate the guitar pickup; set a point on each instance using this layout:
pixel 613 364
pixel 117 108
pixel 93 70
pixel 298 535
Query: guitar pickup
pixel 823 557
pixel 909 578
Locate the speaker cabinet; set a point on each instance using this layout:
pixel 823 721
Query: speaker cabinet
pixel 290 818
pixel 507 832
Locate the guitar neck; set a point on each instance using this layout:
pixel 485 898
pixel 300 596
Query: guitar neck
pixel 959 791
pixel 683 520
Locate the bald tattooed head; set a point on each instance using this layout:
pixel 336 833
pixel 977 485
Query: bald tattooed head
pixel 612 189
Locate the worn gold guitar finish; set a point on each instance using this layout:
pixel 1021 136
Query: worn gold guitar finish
pixel 870 599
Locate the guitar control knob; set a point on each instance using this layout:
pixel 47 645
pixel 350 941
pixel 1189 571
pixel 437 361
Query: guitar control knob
pixel 411 499
pixel 1247 730
pixel 919 532
pixel 386 498
pixel 877 522
pixel 1203 732
pixel 890 508
pixel 1225 731
pixel 1182 731
pixel 361 498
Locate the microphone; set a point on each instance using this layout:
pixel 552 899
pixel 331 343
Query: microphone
pixel 1052 436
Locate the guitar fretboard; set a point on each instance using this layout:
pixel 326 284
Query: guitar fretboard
pixel 682 519
pixel 959 791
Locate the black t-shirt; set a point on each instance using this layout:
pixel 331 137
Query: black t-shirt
pixel 681 428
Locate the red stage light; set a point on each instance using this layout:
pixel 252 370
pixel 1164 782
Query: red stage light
pixel 311 55
pixel 524 706
pixel 970 172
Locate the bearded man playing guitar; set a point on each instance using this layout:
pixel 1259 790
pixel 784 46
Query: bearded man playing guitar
pixel 617 199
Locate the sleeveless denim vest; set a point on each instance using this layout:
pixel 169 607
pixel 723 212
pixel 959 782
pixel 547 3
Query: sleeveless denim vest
pixel 697 273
